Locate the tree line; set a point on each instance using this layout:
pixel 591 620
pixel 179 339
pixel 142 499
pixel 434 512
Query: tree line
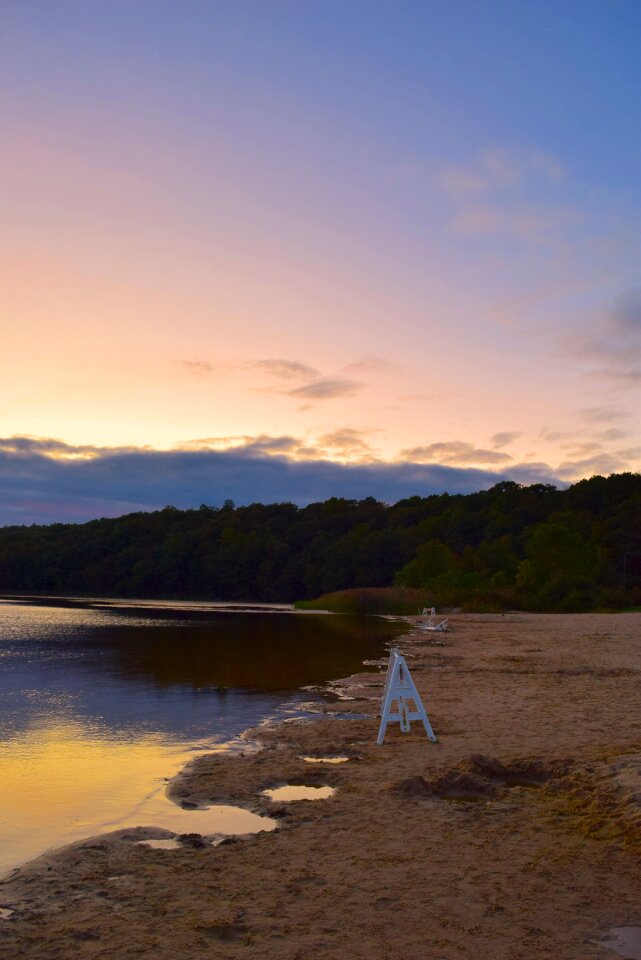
pixel 532 547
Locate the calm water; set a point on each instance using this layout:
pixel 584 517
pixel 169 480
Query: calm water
pixel 101 702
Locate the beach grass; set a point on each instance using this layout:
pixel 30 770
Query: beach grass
pixel 404 601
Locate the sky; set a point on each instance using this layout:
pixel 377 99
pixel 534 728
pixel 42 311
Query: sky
pixel 287 250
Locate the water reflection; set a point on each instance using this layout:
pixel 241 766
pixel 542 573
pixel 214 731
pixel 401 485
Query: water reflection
pixel 249 651
pixel 189 677
pixel 325 759
pixel 219 820
pixel 99 706
pixel 65 781
pixel 290 793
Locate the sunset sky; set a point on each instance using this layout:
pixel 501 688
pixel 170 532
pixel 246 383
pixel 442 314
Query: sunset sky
pixel 279 250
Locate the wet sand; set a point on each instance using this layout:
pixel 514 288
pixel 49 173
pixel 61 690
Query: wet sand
pixel 517 835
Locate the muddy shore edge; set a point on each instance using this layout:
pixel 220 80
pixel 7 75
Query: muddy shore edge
pixel 517 835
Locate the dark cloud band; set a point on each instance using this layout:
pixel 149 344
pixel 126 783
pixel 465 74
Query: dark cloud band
pixel 36 487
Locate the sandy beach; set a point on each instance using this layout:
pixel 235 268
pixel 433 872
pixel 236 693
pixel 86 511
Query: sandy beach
pixel 517 835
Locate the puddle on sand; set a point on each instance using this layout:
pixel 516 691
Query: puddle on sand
pixel 217 822
pixel 211 821
pixel 161 844
pixel 325 759
pixel 626 941
pixel 289 793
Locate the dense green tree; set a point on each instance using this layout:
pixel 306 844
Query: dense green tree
pixel 561 569
pixel 432 560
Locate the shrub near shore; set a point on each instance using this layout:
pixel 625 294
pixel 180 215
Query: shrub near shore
pixel 402 601
pixel 373 600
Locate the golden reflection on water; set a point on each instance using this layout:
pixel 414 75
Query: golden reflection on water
pixel 292 792
pixel 63 782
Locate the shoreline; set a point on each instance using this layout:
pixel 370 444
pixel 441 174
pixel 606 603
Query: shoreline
pixel 242 744
pixel 394 860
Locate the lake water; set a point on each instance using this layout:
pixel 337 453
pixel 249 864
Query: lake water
pixel 101 702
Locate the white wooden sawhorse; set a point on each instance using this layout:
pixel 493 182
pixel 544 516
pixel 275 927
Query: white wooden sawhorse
pixel 430 625
pixel 399 686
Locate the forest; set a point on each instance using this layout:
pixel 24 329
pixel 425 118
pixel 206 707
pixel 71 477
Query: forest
pixel 512 546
